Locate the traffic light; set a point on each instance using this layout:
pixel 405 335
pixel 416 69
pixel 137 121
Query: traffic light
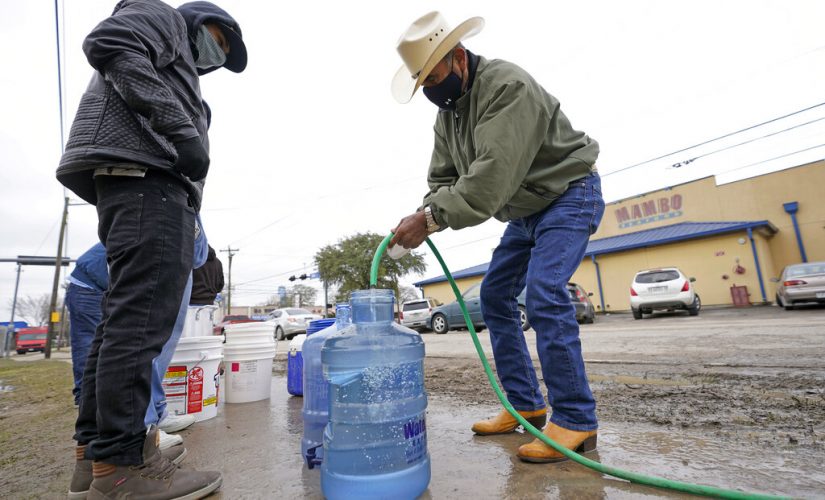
pixel 303 276
pixel 292 278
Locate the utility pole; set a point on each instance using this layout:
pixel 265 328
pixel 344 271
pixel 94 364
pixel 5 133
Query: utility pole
pixel 10 329
pixel 230 253
pixel 53 314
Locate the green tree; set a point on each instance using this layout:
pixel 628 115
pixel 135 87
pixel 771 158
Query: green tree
pixel 347 264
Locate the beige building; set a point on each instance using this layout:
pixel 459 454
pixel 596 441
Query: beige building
pixel 739 234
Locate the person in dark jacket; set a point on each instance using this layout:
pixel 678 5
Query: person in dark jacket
pixel 138 151
pixel 207 281
pixel 84 294
pixel 505 149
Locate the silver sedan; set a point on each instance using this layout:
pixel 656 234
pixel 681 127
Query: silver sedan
pixel 801 283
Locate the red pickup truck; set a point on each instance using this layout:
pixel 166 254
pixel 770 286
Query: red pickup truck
pixel 31 339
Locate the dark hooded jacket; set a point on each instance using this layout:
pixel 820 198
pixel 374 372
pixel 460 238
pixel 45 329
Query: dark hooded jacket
pixel 207 280
pixel 144 96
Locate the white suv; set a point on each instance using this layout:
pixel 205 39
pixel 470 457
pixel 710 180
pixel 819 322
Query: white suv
pixel 416 313
pixel 663 289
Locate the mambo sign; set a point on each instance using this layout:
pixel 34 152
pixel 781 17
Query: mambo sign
pixel 649 211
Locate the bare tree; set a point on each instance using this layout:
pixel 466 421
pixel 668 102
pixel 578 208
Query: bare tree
pixel 35 309
pixel 406 293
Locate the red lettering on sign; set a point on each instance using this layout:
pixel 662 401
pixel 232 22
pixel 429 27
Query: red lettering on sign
pixel 622 215
pixel 676 202
pixel 664 205
pixel 637 212
pixel 649 208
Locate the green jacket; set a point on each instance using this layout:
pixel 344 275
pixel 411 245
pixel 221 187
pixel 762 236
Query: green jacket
pixel 506 152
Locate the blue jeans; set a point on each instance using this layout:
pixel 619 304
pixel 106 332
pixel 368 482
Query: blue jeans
pixel 541 252
pixel 84 305
pixel 157 405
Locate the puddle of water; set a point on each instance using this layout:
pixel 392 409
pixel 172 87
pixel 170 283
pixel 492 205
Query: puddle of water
pixel 257 448
pixel 5 388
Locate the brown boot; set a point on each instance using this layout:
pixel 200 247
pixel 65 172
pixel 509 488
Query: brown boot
pixel 82 477
pixel 157 478
pixel 540 453
pixel 504 423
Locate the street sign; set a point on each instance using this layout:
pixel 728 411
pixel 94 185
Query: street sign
pixel 314 276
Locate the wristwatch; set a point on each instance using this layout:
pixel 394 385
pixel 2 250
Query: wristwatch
pixel 432 225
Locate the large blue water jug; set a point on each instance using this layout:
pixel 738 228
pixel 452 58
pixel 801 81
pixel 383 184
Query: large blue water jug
pixel 295 366
pixel 316 389
pixel 375 444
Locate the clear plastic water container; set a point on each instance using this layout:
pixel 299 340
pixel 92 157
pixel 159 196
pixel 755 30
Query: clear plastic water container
pixel 316 389
pixel 375 444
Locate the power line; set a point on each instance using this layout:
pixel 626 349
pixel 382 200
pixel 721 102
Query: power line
pixel 270 276
pixel 323 197
pixel 681 164
pixel 714 139
pixel 772 159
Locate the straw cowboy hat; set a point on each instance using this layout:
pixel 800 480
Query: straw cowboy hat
pixel 422 46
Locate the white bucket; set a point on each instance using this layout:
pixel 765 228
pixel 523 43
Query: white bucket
pixel 199 321
pixel 192 379
pixel 248 352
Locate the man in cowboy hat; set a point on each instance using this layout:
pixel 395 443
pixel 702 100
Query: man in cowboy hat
pixel 504 149
pixel 138 150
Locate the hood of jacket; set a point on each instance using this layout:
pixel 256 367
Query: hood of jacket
pixel 195 14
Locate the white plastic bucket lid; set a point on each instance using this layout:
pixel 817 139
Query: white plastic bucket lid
pixel 261 327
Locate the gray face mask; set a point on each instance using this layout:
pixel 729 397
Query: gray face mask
pixel 210 54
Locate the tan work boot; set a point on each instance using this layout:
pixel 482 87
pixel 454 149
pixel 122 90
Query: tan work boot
pixel 82 477
pixel 540 453
pixel 504 423
pixel 157 478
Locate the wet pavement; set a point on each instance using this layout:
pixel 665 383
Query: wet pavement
pixel 731 398
pixel 257 447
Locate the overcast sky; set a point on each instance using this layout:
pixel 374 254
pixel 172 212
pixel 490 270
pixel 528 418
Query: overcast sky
pixel 308 145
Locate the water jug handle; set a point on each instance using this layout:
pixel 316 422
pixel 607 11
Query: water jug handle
pixel 344 379
pixel 311 459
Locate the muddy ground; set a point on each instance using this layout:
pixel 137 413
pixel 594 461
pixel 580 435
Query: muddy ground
pixel 741 404
pixel 772 407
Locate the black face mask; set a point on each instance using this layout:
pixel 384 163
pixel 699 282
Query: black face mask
pixel 445 94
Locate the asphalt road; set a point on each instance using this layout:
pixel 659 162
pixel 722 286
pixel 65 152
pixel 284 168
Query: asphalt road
pixel 731 398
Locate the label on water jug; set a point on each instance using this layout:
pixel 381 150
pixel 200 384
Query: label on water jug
pixel 415 434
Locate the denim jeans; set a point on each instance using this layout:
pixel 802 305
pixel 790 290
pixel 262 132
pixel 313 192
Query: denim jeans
pixel 84 309
pixel 147 226
pixel 157 405
pixel 541 252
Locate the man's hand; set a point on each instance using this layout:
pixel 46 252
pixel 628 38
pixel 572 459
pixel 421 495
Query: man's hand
pixel 193 160
pixel 411 231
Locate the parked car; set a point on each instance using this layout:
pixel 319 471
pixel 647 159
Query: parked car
pixel 231 319
pixel 416 313
pixel 31 339
pixel 585 312
pixel 291 321
pixel 449 317
pixel 663 289
pixel 801 283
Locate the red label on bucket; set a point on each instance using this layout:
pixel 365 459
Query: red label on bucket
pixel 194 399
pixel 236 367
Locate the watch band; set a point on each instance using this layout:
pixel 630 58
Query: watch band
pixel 432 225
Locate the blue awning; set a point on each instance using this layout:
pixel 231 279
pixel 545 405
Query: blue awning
pixel 478 270
pixel 640 239
pixel 671 234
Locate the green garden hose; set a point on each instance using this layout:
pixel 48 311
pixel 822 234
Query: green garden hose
pixel 633 477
